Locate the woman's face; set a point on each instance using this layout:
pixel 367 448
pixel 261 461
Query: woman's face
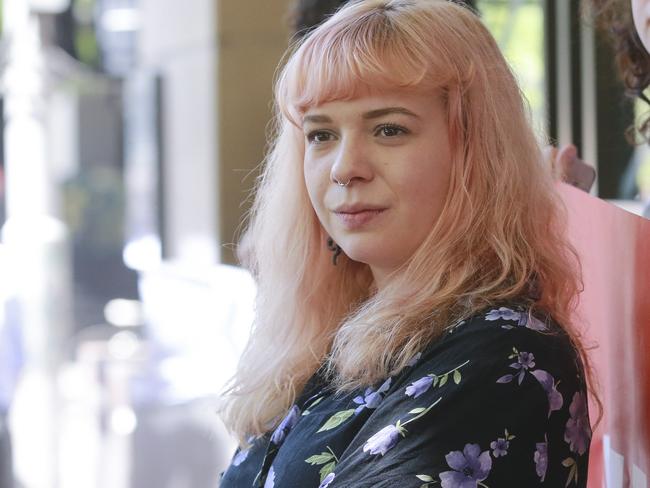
pixel 392 150
pixel 641 14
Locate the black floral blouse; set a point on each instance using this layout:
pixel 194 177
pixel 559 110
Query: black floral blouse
pixel 499 401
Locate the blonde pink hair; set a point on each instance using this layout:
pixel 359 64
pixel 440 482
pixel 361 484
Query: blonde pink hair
pixel 500 238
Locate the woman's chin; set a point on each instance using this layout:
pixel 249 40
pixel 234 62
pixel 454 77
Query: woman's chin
pixel 370 256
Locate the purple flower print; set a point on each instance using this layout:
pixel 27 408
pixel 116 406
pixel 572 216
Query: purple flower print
pixel 578 430
pixel 270 479
pixel 285 426
pixel 470 467
pixel 419 387
pixel 541 459
pixel 240 457
pixel 382 441
pixel 523 319
pixel 386 438
pixel 414 360
pixel 371 398
pixel 500 447
pixel 503 313
pixel 385 386
pixel 525 361
pixel 535 324
pixel 505 378
pixel 555 400
pixel 327 481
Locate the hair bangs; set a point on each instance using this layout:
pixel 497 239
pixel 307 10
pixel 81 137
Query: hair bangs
pixel 345 60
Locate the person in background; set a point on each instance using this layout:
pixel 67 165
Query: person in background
pixel 628 24
pixel 416 287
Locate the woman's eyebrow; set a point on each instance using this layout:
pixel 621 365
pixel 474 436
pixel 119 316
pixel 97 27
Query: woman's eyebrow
pixel 373 114
pixel 316 119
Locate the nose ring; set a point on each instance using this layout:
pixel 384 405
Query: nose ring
pixel 340 183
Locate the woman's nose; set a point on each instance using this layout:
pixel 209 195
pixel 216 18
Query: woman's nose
pixel 351 164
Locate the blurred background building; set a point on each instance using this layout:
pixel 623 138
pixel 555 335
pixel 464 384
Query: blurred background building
pixel 131 134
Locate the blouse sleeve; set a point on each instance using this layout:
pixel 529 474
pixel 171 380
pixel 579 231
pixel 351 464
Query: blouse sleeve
pixel 496 405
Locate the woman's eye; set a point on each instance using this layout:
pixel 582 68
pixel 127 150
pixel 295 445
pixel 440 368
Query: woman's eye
pixel 319 136
pixel 390 130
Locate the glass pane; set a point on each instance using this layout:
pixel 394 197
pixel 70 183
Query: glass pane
pixel 518 26
pixel 635 183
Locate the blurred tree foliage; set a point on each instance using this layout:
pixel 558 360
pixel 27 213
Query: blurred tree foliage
pixel 518 26
pixel 85 38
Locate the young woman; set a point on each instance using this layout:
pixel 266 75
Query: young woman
pixel 415 286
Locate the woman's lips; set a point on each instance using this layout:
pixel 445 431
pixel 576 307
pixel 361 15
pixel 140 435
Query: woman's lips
pixel 355 220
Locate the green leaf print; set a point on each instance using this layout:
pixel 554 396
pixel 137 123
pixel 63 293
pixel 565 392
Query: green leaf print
pixel 319 459
pixel 457 376
pixel 316 402
pixel 432 380
pixel 337 419
pixel 329 459
pixel 428 480
pixel 568 462
pixel 573 471
pixel 327 469
pixel 421 412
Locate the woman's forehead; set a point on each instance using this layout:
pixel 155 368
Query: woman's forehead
pixel 374 98
pixel 313 83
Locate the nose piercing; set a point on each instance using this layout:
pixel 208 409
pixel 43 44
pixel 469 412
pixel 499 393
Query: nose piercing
pixel 340 183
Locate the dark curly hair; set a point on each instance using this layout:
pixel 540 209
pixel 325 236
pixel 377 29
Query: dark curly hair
pixel 615 18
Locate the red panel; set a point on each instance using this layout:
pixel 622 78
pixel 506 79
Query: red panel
pixel 614 309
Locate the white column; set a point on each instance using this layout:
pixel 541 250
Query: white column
pixel 36 244
pixel 178 40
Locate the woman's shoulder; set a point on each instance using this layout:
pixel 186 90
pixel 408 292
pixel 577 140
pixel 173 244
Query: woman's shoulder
pixel 499 346
pixel 503 389
pixel 503 328
pixel 509 317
